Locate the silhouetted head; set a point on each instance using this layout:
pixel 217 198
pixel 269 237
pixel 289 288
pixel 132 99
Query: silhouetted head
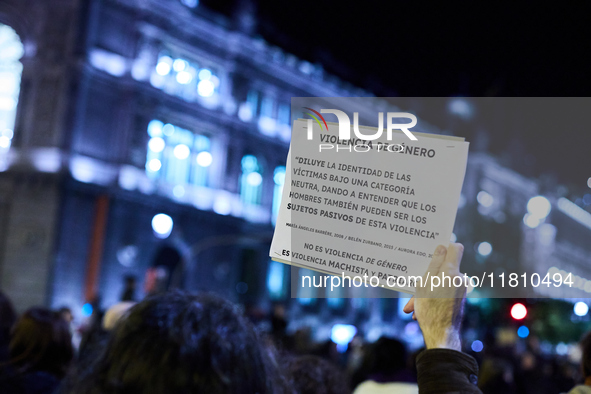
pixel 180 343
pixel 41 341
pixel 586 359
pixel 130 281
pixel 387 356
pixel 66 314
pixel 314 375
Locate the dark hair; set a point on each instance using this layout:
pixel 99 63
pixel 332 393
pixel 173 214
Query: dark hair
pixel 41 341
pixel 314 375
pixel 181 343
pixel 7 319
pixel 586 349
pixel 385 360
pixel 7 314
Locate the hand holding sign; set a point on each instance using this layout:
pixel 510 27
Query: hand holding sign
pixel 439 309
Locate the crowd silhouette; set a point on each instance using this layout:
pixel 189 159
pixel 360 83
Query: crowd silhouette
pixel 179 342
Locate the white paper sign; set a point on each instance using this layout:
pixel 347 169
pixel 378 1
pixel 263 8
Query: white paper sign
pixel 380 209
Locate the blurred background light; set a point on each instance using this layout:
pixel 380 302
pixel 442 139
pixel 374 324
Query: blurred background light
pixel 245 112
pixel 156 144
pixel 460 107
pixel 402 301
pixel 485 199
pixel 184 77
pixel 162 225
pixel 109 62
pixel 531 221
pixel 477 346
pixel 411 328
pixel 178 191
pixel 561 349
pixel 484 249
pixel 164 65
pixel 539 207
pixel 168 129
pixel 154 165
pixel 267 125
pixel 581 309
pixel 155 128
pixel 204 74
pixel 47 159
pixel 205 88
pixel 546 234
pixel 127 255
pixel 254 179
pixel 7 103
pixel 86 310
pixel 462 201
pixel 275 278
pixel 7 133
pixel 342 334
pixel 4 142
pixel 179 65
pixel 190 3
pixel 128 177
pixel 204 159
pixel 181 151
pixel 518 311
pixel 577 213
pixel 523 332
pixel 84 169
pixel 279 176
pixel 222 204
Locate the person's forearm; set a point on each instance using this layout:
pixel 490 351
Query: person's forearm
pixel 446 371
pixel 442 338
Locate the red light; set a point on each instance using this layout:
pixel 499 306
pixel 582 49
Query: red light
pixel 518 311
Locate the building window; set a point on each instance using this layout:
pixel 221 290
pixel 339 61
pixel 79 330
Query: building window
pixel 252 99
pixel 276 283
pixel 176 155
pixel 284 122
pixel 249 109
pixel 251 180
pixel 307 293
pixel 279 180
pixel 267 122
pixel 11 50
pixel 283 114
pixel 267 107
pixel 186 79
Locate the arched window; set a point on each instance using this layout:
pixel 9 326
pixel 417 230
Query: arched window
pixel 279 180
pixel 251 180
pixel 177 156
pixel 11 50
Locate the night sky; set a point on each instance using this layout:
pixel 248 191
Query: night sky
pixel 429 49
